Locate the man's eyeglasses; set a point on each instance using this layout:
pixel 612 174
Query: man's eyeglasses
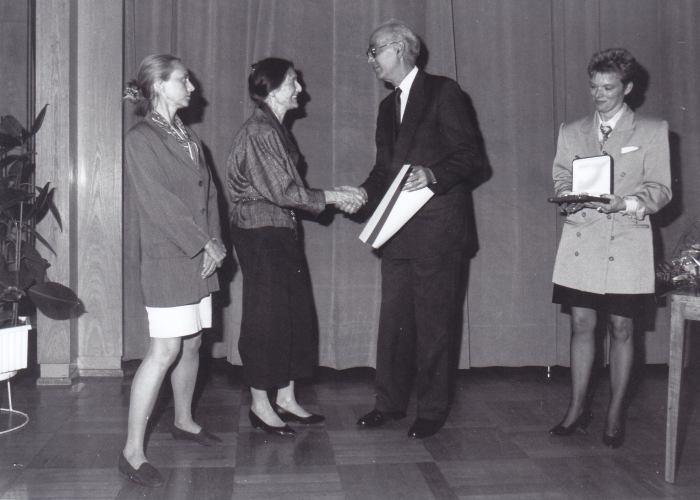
pixel 372 51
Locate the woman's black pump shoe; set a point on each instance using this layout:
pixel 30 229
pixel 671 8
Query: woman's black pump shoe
pixel 615 440
pixel 203 437
pixel 567 430
pixel 284 431
pixel 288 416
pixel 145 475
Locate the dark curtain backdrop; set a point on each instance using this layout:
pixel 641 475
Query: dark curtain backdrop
pixel 522 62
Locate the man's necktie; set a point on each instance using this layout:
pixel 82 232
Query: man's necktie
pixel 605 130
pixel 397 111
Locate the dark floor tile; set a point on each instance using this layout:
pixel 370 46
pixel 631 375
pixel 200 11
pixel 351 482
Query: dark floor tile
pixel 214 483
pixel 471 444
pixel 374 481
pixel 78 451
pixel 377 446
pixel 164 451
pixel 71 483
pixel 288 482
pixel 309 447
pixel 498 478
pixel 605 476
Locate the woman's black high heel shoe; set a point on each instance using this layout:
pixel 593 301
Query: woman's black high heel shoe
pixel 567 430
pixel 284 431
pixel 615 440
pixel 288 416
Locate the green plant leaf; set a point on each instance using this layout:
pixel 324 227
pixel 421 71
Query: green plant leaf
pixel 33 266
pixel 39 120
pixel 10 159
pixel 12 197
pixel 12 127
pixel 56 301
pixel 8 142
pixel 40 238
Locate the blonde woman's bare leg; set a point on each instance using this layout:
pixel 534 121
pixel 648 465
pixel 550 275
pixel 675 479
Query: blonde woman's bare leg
pixel 144 391
pixel 183 379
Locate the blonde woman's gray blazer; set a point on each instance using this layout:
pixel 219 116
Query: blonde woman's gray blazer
pixel 176 203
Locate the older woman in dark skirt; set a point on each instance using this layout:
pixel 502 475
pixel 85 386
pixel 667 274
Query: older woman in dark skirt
pixel 277 342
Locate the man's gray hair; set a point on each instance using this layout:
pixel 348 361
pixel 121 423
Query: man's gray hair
pixel 401 32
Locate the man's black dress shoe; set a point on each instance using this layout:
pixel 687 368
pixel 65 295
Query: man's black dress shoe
pixel 423 428
pixel 145 475
pixel 288 416
pixel 377 418
pixel 203 437
pixel 284 431
pixel 567 430
pixel 614 441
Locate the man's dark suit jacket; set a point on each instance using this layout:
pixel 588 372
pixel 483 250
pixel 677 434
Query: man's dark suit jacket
pixel 438 132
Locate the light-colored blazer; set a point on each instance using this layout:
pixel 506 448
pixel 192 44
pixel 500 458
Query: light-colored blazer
pixel 613 253
pixel 176 202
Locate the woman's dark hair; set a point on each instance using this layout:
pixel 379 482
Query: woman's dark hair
pixel 618 61
pixel 153 68
pixel 267 75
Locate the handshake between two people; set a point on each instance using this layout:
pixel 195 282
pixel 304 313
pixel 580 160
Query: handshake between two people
pixel 349 199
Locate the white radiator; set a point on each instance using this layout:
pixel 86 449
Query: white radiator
pixel 13 349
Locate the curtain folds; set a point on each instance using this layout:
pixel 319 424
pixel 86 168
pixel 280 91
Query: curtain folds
pixel 523 64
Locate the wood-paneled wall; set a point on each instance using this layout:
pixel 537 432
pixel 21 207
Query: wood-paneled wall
pixel 79 68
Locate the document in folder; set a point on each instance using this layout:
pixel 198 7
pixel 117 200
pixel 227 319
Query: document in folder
pixel 396 209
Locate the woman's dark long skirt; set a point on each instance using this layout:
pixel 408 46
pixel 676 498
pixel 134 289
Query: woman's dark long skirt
pixel 278 340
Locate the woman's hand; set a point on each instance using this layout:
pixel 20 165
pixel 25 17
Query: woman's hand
pixel 349 199
pixel 617 204
pixel 214 254
pixel 572 208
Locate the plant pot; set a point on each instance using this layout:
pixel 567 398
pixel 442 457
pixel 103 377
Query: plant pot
pixel 13 350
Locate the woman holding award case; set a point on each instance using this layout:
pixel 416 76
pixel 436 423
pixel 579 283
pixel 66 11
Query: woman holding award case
pixel 604 268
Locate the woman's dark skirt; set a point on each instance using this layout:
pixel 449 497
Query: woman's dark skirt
pixel 629 305
pixel 278 340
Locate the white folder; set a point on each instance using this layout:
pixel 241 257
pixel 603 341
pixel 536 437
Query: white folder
pixel 396 209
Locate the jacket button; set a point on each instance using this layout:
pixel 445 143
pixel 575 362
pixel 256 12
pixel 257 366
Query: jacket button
pixel 611 259
pixel 200 183
pixel 622 174
pixel 576 254
pixel 578 234
pixel 203 210
pixel 583 214
pixel 612 237
pixel 609 216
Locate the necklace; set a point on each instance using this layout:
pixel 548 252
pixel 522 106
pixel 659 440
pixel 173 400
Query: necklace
pixel 177 130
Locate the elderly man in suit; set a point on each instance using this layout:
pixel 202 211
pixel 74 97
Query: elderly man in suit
pixel 426 122
pixel 605 261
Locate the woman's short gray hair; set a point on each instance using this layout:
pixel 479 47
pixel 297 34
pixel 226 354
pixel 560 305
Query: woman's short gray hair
pixel 401 32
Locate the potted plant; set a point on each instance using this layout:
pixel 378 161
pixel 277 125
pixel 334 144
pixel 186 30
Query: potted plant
pixel 24 285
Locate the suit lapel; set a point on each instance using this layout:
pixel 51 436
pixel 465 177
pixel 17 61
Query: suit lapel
pixel 589 133
pixel 621 134
pixel 411 119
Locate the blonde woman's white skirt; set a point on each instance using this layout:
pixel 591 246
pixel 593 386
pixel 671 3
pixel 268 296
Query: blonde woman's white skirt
pixel 179 321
